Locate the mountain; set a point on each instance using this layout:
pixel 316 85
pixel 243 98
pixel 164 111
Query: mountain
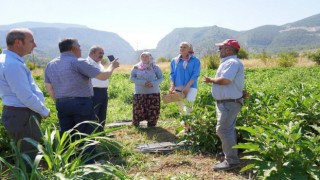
pixel 296 36
pixel 48 35
pixel 301 35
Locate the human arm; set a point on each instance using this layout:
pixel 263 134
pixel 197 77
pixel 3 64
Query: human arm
pixel 159 76
pixel 172 76
pixel 104 75
pixel 24 88
pixel 218 80
pixel 49 88
pixel 135 79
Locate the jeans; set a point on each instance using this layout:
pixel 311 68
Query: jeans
pixel 72 111
pixel 226 121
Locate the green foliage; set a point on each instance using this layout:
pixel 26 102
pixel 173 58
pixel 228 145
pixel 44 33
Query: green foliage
pixel 64 157
pixel 287 59
pixel 0 50
pixel 163 59
pixel 203 136
pixel 30 65
pixel 315 56
pixel 243 54
pixel 282 151
pixel 211 61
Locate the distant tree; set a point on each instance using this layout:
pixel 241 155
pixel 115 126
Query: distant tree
pixel 315 56
pixel 0 50
pixel 243 54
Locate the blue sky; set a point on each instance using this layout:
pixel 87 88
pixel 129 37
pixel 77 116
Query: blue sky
pixel 144 22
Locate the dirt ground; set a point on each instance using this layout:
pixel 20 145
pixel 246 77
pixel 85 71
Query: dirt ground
pixel 179 164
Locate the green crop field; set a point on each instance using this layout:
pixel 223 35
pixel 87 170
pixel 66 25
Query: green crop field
pixel 278 134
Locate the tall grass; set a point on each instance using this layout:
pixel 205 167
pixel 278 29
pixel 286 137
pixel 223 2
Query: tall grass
pixel 64 157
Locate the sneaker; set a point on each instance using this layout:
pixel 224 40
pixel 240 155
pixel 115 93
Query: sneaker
pixel 225 166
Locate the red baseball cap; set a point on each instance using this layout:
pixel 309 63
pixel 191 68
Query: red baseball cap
pixel 229 42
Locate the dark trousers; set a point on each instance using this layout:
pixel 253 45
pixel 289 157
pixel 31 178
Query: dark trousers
pixel 22 123
pixel 100 103
pixel 72 111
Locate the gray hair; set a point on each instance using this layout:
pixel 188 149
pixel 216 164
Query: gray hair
pixel 94 48
pixel 17 33
pixel 189 45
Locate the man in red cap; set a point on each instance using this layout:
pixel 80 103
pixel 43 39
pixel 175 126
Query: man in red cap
pixel 227 90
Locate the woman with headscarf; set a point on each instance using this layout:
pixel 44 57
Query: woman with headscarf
pixel 146 76
pixel 184 73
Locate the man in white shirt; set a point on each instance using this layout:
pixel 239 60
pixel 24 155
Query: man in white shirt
pixel 100 88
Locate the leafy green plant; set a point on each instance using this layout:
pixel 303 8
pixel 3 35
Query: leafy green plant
pixel 203 136
pixel 282 151
pixel 64 157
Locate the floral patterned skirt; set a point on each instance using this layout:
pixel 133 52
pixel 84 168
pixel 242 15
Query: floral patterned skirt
pixel 146 107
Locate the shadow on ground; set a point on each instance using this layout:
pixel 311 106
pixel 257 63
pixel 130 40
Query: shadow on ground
pixel 159 134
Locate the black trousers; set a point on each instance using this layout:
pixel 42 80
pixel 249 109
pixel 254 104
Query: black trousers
pixel 23 123
pixel 100 104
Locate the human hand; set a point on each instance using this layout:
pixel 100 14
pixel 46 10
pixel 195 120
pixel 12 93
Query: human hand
pixel 245 94
pixel 206 79
pixel 148 84
pixel 115 64
pixel 45 117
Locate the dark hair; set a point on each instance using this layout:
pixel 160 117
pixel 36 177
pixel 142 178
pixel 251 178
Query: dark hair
pixel 15 34
pixel 67 44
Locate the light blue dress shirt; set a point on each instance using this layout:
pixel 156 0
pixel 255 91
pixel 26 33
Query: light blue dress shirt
pixel 17 86
pixel 231 68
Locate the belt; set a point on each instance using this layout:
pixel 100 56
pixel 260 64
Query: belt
pixel 228 100
pixel 15 108
pixel 72 98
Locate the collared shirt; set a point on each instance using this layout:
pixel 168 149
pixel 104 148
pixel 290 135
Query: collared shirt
pixel 181 76
pixel 96 82
pixel 70 76
pixel 231 68
pixel 17 86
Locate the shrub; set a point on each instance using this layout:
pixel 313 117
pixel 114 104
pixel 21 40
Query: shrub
pixel 314 57
pixel 211 61
pixel 163 59
pixel 287 59
pixel 264 57
pixel 30 65
pixel 242 54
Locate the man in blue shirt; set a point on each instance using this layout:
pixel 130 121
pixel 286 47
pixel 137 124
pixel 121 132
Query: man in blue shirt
pixel 227 90
pixel 68 82
pixel 23 101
